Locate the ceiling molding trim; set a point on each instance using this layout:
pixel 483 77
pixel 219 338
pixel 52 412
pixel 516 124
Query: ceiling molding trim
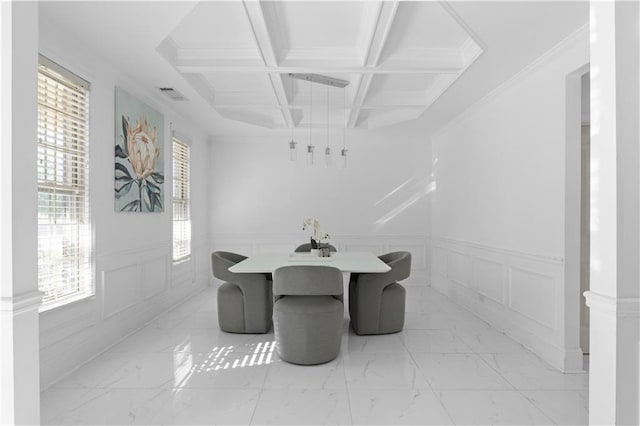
pixel 263 38
pixel 232 99
pixel 168 49
pixel 202 87
pixel 449 9
pixel 319 54
pixel 470 51
pixel 437 88
pixel 580 35
pixel 248 117
pixel 320 68
pixel 384 22
pixel 386 17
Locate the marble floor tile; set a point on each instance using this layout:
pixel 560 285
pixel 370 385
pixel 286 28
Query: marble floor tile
pixel 146 371
pixel 96 372
pixel 223 369
pixel 459 371
pixel 491 407
pixel 564 407
pixel 382 371
pixel 302 407
pixel 55 402
pixel 397 407
pixel 428 321
pixel 108 407
pixel 284 375
pixel 207 407
pixel 199 319
pixel 150 339
pixel 437 341
pixel 446 366
pixel 482 338
pixel 527 371
pixel 383 343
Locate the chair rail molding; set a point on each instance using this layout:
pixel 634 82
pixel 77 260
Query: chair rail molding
pixel 620 307
pixel 21 303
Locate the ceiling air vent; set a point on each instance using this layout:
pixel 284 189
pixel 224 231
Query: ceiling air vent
pixel 173 94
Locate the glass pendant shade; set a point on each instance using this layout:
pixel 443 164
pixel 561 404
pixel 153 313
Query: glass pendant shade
pixel 343 153
pixel 310 149
pixel 327 156
pixel 293 153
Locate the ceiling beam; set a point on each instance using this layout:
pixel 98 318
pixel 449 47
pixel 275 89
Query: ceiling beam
pixel 386 15
pixel 202 67
pixel 262 36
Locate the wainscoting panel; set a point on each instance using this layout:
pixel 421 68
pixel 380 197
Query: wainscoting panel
pixel 154 277
pixel 133 286
pixel 518 293
pixel 248 245
pixel 121 288
pixel 489 278
pixel 418 254
pixel 459 267
pixel 532 295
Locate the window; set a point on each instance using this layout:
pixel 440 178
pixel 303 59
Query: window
pixel 181 203
pixel 64 228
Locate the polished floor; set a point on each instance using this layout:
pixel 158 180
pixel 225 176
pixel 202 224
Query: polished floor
pixel 446 367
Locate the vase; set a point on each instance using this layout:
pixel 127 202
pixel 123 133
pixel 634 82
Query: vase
pixel 315 252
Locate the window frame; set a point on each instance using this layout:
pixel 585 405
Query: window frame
pixel 68 155
pixel 177 138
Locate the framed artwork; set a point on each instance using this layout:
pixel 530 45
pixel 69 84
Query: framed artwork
pixel 139 156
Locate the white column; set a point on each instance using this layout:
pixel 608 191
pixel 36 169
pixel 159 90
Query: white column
pixel 614 298
pixel 19 296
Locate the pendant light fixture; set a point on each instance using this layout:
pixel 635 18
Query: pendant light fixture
pixel 343 153
pixel 328 81
pixel 327 150
pixel 293 153
pixel 310 147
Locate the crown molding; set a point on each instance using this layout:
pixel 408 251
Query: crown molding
pixel 576 36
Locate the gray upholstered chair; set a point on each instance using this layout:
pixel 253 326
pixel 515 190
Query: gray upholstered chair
pixel 377 301
pixel 245 301
pixel 308 313
pixel 307 247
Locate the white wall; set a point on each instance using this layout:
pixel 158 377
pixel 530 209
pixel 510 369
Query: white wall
pixel 380 202
pixel 498 211
pixel 134 276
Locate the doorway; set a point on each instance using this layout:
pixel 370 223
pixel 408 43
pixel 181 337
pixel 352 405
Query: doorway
pixel 577 219
pixel 585 211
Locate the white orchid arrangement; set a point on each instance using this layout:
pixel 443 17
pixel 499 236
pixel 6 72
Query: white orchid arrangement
pixel 318 235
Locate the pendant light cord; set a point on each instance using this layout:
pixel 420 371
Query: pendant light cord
pixel 327 117
pixel 310 112
pixel 344 118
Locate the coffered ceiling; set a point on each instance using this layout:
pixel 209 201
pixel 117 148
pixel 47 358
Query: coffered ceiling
pixel 409 63
pixel 399 57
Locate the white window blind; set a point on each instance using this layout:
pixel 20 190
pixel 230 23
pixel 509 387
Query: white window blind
pixel 181 202
pixel 64 228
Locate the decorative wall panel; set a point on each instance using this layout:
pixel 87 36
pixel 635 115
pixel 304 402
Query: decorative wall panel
pixel 518 293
